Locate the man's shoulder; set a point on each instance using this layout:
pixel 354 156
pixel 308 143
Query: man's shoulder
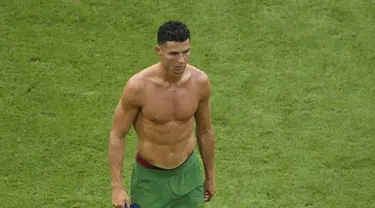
pixel 200 76
pixel 138 80
pixel 135 84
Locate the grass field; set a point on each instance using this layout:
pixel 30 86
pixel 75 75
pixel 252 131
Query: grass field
pixel 293 97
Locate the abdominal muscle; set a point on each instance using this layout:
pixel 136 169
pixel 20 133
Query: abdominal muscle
pixel 165 145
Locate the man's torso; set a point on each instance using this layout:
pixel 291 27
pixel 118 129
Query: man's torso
pixel 165 123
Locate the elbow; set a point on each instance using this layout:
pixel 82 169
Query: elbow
pixel 206 133
pixel 115 136
pixel 118 133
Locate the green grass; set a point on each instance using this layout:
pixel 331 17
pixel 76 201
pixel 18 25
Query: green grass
pixel 293 97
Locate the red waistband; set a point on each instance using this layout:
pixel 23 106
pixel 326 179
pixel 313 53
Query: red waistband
pixel 144 163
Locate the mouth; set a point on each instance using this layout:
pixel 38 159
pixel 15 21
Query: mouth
pixel 180 67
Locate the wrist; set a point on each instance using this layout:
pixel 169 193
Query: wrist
pixel 117 185
pixel 210 177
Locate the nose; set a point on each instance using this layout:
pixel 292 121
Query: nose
pixel 181 59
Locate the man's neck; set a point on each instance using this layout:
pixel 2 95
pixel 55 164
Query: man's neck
pixel 169 78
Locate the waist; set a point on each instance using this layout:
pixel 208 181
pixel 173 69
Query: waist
pixel 168 155
pixel 144 164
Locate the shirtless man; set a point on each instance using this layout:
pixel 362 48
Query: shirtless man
pixel 162 102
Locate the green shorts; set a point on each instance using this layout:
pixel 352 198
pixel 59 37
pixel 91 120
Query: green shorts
pixel 181 187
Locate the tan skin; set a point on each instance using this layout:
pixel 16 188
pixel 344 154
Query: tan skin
pixel 161 103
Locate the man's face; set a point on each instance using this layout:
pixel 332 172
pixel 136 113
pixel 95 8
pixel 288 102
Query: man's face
pixel 174 56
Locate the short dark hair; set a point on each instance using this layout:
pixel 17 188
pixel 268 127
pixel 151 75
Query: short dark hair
pixel 173 31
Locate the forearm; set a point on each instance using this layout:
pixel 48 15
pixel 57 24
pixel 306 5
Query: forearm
pixel 116 158
pixel 206 146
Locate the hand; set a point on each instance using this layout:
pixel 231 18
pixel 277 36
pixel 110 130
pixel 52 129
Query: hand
pixel 209 190
pixel 120 197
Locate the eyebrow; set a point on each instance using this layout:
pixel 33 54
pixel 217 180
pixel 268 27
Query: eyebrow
pixel 177 52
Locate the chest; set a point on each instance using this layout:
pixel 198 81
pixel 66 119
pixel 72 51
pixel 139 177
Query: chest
pixel 163 105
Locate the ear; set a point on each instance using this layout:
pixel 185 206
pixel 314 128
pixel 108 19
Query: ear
pixel 158 49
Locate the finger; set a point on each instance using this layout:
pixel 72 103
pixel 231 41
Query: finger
pixel 212 194
pixel 127 203
pixel 210 197
pixel 207 197
pixel 119 205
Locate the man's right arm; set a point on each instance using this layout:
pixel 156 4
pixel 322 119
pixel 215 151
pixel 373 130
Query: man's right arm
pixel 124 116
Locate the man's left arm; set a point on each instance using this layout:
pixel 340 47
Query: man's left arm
pixel 204 131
